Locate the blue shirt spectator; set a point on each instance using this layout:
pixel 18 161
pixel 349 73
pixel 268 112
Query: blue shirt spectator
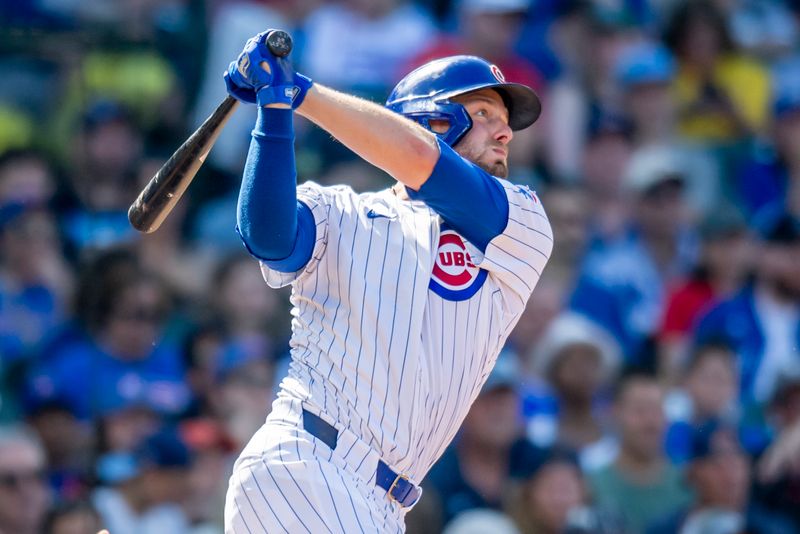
pixel 720 474
pixel 34 280
pixel 91 381
pixel 622 285
pixel 762 322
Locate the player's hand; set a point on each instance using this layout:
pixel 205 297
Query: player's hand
pixel 257 76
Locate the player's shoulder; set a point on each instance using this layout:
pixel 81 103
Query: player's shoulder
pixel 516 189
pixel 520 194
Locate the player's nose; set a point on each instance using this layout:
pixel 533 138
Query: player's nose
pixel 502 132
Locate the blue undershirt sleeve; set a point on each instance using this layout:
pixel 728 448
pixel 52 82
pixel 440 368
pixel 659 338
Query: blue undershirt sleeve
pixel 275 227
pixel 469 199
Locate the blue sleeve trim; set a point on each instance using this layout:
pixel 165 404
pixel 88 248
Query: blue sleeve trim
pixel 469 199
pixel 273 225
pixel 303 246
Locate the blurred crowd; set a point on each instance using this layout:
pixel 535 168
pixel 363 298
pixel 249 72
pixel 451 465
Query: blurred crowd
pixel 653 383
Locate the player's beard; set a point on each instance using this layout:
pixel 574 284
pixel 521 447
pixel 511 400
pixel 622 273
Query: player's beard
pixel 496 166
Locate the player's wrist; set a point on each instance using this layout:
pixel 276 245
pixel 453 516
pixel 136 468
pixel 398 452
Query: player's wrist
pixel 303 84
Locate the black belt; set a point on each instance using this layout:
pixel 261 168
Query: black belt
pixel 398 487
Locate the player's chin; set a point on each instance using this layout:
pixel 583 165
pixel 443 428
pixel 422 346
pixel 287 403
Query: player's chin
pixel 496 167
pixel 499 168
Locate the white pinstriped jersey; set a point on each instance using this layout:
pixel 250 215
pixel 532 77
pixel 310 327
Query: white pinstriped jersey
pixel 397 320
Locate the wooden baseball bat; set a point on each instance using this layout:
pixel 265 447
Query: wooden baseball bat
pixel 163 191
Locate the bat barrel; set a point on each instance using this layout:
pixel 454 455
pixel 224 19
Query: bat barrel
pixel 168 185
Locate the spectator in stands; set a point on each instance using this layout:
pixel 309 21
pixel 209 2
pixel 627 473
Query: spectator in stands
pixel 722 97
pixel 201 349
pixel 480 520
pixel 764 29
pixel 24 496
pixel 767 181
pixel 547 497
pixel 641 485
pixel 103 180
pixel 645 72
pixel 124 421
pixel 36 283
pixel 578 359
pixel 708 392
pixel 719 472
pixel 726 259
pixel 488 29
pixel 243 389
pixel 762 321
pixel 622 287
pixel 491 449
pixel 386 34
pixel 143 495
pixel 603 161
pixel 118 348
pixel 67 442
pixel 588 43
pixel 778 469
pixel 73 517
pixel 26 177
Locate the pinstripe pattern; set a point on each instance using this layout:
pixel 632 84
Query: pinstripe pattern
pixel 279 484
pixel 391 363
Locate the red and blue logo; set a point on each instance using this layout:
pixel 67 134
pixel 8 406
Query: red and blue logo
pixel 455 277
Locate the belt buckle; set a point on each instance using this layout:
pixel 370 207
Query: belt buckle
pixel 394 485
pixel 401 502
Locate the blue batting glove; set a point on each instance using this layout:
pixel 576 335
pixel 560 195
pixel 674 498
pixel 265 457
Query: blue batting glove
pixel 248 81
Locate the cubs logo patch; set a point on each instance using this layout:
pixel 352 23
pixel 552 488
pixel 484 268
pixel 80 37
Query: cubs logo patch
pixel 498 74
pixel 455 277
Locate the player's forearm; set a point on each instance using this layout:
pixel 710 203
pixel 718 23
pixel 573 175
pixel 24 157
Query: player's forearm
pixel 268 187
pixel 389 141
pixel 273 225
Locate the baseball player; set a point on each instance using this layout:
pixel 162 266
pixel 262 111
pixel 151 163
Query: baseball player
pixel 402 298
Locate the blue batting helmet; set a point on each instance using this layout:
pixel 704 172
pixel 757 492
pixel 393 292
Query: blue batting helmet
pixel 425 93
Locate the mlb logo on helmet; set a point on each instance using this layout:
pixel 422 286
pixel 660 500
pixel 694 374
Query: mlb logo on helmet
pixel 498 74
pixel 454 276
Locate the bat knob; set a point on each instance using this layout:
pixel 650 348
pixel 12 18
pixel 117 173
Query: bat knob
pixel 279 43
